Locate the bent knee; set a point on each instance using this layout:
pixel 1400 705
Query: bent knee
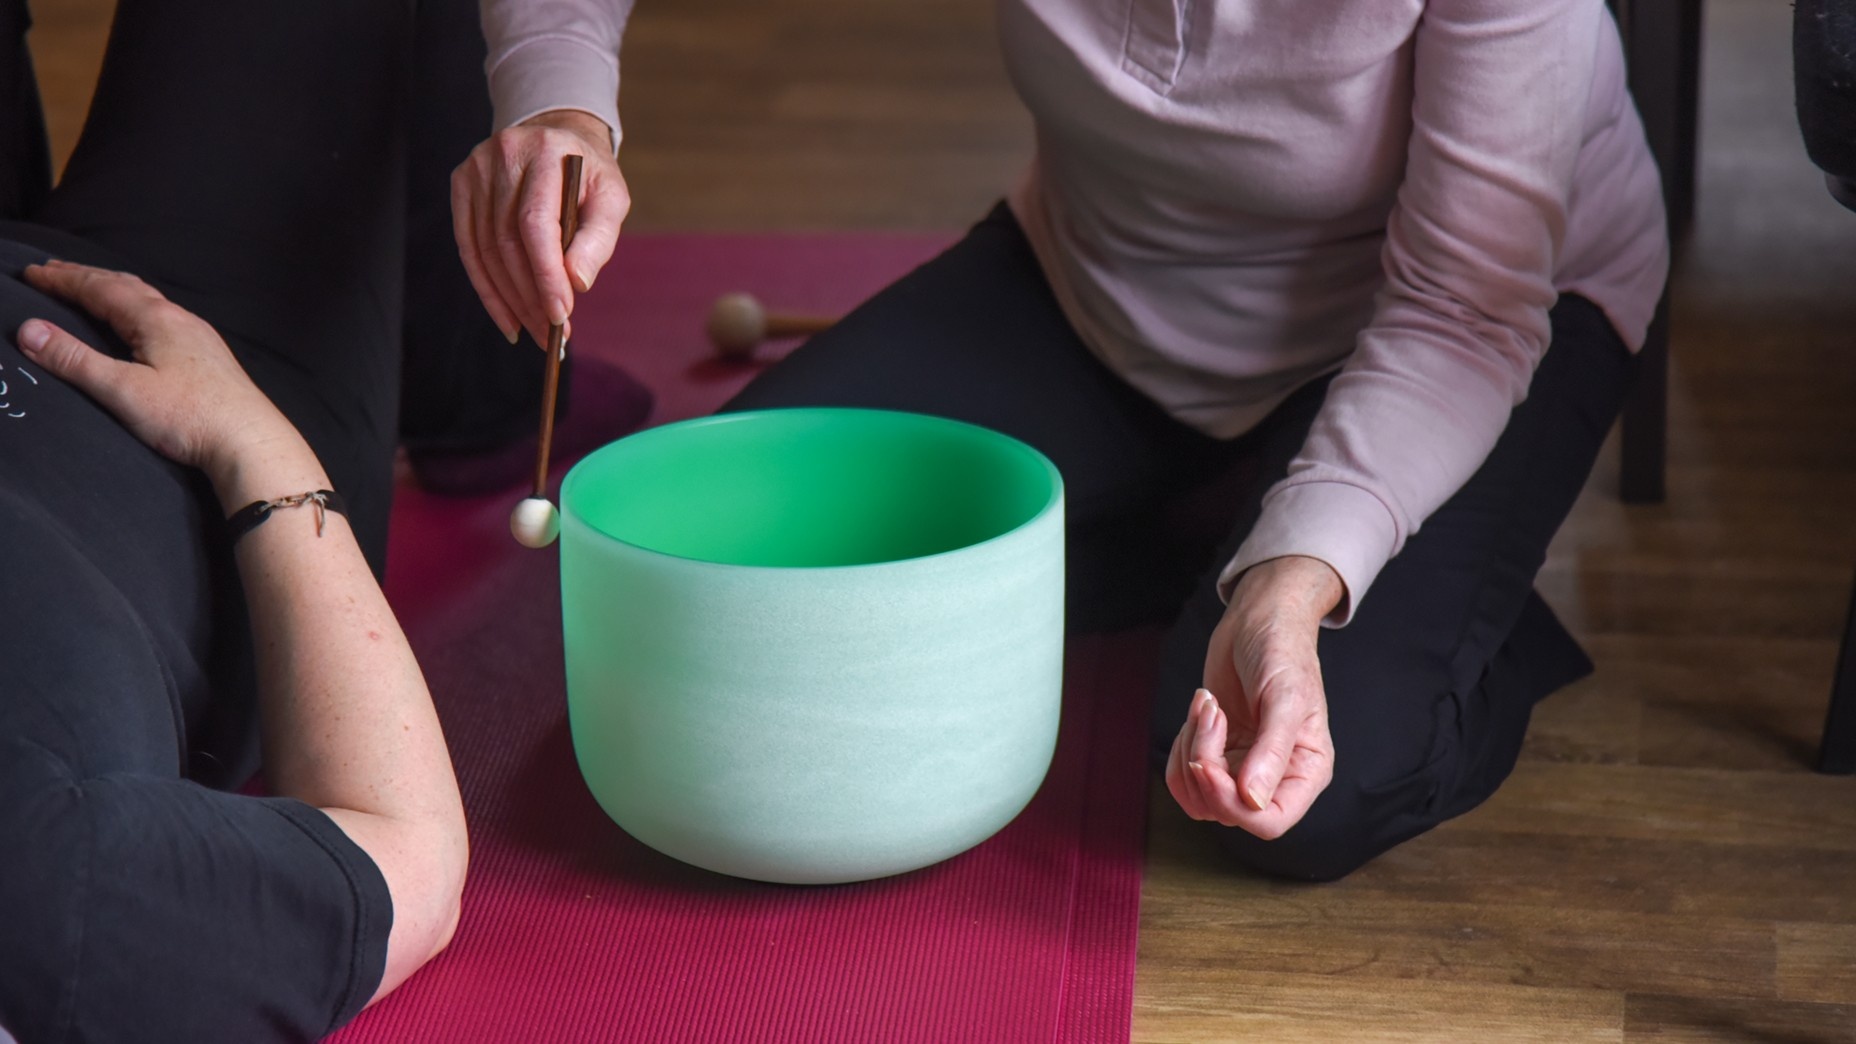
pixel 1296 858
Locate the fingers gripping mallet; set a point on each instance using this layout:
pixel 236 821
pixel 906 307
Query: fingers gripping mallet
pixel 738 324
pixel 535 521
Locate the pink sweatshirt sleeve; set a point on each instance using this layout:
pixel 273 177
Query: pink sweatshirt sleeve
pixel 1499 100
pixel 554 54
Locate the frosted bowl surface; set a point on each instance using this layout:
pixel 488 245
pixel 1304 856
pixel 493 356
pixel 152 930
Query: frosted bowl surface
pixel 813 645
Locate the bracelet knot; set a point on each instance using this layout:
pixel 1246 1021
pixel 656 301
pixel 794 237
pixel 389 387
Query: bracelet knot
pixel 252 515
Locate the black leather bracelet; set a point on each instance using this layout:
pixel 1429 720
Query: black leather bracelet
pixel 252 515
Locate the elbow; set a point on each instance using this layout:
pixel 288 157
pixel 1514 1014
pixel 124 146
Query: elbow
pixel 424 861
pixel 444 902
pixel 445 918
pixel 451 899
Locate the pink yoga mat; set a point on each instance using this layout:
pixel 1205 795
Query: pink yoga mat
pixel 574 932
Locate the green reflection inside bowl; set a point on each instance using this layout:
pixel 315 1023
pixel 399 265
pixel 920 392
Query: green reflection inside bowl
pixel 811 488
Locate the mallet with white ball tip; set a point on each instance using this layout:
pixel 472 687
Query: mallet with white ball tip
pixel 738 323
pixel 535 521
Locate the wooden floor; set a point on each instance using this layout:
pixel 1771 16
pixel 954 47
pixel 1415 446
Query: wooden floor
pixel 1662 866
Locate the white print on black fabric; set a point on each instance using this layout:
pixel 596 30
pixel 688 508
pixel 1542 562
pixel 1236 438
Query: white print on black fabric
pixel 10 389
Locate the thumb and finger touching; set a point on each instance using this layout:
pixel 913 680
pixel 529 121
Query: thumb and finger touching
pixel 1257 754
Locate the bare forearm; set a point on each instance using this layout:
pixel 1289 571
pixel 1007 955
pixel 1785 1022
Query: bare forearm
pixel 348 722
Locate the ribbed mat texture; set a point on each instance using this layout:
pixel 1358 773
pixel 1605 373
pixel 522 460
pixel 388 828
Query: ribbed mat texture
pixel 574 932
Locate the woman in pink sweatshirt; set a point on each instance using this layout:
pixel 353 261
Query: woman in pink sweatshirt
pixel 1310 254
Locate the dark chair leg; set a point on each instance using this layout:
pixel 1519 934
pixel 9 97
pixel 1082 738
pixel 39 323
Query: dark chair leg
pixel 1644 441
pixel 1838 753
pixel 1662 54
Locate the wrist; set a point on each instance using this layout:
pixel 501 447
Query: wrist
pixel 1292 589
pixel 265 468
pixel 584 125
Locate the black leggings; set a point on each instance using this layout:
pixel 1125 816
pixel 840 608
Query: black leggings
pixel 1429 687
pixel 284 172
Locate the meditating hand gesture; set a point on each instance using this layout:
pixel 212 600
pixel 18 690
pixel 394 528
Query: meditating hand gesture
pixel 1255 751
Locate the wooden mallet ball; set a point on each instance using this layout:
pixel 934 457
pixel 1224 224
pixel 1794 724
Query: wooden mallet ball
pixel 738 324
pixel 535 522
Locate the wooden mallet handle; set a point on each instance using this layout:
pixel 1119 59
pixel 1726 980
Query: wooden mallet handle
pixel 557 347
pixel 779 326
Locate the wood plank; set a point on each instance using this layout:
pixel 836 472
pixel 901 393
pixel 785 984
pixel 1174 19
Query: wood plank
pixel 1670 804
pixel 1724 735
pixel 1207 1005
pixel 1687 878
pixel 1591 722
pixel 1683 702
pixel 1699 518
pixel 1626 592
pixel 1817 962
pixel 1777 673
pixel 1516 909
pixel 1339 932
pixel 818 114
pixel 1652 1019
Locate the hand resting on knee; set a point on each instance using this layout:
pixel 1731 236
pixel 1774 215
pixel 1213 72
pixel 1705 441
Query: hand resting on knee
pixel 1255 750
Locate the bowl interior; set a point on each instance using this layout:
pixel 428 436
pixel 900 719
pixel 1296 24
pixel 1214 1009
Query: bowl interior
pixel 810 487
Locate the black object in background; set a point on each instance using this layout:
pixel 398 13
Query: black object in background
pixel 1824 71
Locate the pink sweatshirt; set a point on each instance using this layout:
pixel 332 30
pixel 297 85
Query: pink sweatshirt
pixel 1231 199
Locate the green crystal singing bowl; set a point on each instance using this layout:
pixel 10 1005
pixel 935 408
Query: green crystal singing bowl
pixel 813 645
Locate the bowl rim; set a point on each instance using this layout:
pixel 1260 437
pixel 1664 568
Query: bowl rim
pixel 1052 503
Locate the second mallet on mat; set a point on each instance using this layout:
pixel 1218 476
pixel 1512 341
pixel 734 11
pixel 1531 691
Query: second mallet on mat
pixel 738 324
pixel 535 522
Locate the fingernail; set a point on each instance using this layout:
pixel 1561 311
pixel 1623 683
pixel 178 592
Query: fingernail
pixel 557 312
pixel 33 334
pixel 586 281
pixel 512 334
pixel 1196 767
pixel 1256 799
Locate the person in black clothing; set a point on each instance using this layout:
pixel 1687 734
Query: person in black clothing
pixel 247 163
